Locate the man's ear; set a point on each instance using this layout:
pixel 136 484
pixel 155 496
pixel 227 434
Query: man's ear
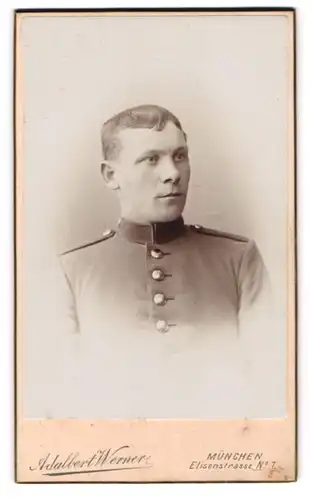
pixel 109 175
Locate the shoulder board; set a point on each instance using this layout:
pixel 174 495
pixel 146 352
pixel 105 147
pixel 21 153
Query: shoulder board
pixel 105 236
pixel 218 234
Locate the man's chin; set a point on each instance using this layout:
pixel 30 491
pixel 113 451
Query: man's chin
pixel 168 216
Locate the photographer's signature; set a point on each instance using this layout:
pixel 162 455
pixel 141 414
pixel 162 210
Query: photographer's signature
pixel 103 460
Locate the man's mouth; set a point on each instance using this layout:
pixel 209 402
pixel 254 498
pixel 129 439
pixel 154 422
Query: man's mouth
pixel 169 195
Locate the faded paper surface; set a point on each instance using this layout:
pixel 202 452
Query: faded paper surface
pixel 44 155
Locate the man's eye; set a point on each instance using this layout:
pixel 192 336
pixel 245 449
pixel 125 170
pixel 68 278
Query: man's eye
pixel 180 156
pixel 152 160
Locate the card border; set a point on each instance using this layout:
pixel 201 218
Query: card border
pixel 292 335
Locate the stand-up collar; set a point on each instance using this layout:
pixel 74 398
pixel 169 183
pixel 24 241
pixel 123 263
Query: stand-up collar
pixel 160 232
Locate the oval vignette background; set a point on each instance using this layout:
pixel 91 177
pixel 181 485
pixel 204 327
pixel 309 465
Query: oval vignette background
pixel 225 77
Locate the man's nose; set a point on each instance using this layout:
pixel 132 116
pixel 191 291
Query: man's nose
pixel 169 172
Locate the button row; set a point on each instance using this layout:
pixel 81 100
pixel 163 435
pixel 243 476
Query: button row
pixel 159 298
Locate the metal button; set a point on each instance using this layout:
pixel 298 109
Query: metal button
pixel 107 233
pixel 156 253
pixel 157 275
pixel 162 326
pixel 159 299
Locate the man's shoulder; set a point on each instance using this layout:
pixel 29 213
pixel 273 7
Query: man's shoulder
pixel 218 236
pixel 94 244
pixel 222 247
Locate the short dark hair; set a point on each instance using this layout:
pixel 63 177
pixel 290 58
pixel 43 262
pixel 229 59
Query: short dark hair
pixel 144 116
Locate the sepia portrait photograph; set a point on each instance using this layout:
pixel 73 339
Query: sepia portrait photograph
pixel 155 245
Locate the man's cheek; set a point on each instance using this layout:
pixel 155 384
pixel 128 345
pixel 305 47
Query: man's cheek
pixel 187 178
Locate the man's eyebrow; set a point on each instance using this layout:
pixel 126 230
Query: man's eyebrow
pixel 180 149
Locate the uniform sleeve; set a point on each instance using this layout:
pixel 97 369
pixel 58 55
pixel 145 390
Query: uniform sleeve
pixel 64 400
pixel 52 367
pixel 253 282
pixel 68 317
pixel 260 333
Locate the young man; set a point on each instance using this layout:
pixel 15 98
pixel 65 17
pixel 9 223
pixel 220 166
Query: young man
pixel 162 308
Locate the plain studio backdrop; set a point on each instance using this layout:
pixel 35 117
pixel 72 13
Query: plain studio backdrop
pixel 225 77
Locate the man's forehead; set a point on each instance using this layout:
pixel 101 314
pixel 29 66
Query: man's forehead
pixel 137 139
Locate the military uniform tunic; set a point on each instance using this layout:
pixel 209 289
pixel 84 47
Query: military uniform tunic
pixel 158 314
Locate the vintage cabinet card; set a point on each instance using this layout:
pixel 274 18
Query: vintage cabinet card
pixel 155 245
